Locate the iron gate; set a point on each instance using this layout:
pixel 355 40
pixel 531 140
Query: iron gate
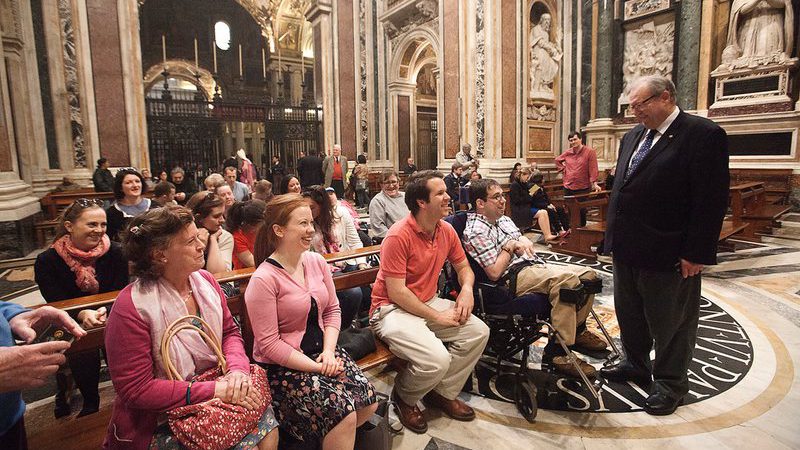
pixel 189 132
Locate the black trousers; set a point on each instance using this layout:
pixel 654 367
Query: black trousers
pixel 85 367
pixel 661 310
pixel 338 187
pixel 15 438
pixel 577 192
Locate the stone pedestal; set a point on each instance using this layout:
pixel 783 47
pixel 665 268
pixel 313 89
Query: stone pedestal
pixel 753 89
pixel 18 207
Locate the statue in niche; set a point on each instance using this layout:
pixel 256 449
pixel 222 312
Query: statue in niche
pixel 759 32
pixel 545 58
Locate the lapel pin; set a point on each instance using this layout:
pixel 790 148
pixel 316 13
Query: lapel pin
pixel 670 136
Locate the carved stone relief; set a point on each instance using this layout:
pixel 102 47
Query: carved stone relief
pixel 760 33
pixel 480 76
pixel 72 82
pixel 648 51
pixel 542 112
pixel 638 8
pixel 9 19
pixel 410 17
pixel 362 69
pixel 545 58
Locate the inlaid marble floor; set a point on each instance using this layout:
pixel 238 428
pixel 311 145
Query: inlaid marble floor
pixel 759 286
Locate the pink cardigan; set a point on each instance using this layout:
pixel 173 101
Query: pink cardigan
pixel 140 396
pixel 278 307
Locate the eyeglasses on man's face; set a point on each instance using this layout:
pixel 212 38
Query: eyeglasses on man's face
pixel 638 106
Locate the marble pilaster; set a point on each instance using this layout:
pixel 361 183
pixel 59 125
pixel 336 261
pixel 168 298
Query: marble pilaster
pixel 319 14
pixel 604 67
pixel 687 62
pixel 295 86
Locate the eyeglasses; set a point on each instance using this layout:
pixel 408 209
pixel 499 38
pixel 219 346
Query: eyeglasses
pixel 390 183
pixel 88 202
pixel 498 197
pixel 643 102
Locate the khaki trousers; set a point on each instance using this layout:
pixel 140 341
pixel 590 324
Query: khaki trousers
pixel 432 365
pixel 549 280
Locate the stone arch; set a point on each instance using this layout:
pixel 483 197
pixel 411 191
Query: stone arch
pixel 183 70
pixel 412 52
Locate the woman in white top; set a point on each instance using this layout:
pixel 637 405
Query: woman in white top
pixel 387 207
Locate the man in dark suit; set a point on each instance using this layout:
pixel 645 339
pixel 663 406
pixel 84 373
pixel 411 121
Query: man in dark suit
pixel 665 215
pixel 309 169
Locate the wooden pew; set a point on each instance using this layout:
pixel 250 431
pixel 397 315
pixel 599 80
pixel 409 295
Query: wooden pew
pixel 89 431
pixel 582 238
pixel 55 202
pixel 749 206
pixel 777 182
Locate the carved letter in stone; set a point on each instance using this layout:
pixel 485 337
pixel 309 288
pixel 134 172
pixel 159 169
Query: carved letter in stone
pixel 545 58
pixel 759 31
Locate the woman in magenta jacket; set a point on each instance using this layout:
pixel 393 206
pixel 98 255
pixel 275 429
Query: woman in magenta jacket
pixel 167 255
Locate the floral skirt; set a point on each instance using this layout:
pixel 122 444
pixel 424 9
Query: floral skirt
pixel 163 439
pixel 309 405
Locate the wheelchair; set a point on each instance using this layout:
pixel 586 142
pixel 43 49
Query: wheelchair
pixel 515 323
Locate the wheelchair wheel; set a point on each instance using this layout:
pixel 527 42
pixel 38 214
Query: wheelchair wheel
pixel 525 398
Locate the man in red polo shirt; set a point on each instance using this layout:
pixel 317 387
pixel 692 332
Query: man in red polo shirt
pixel 408 316
pixel 579 165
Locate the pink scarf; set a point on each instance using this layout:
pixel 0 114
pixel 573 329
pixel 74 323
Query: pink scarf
pixel 81 262
pixel 159 304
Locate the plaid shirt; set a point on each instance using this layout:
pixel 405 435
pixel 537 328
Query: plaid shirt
pixel 485 241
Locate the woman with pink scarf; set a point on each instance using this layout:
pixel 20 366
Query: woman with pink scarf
pixel 166 257
pixel 81 261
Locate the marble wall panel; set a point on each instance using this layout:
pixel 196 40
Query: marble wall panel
pixel 72 82
pixel 509 96
pixel 107 74
pixel 44 84
pixel 347 79
pixel 450 77
pixel 480 76
pixel 403 127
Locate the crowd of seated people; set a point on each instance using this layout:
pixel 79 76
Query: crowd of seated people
pixel 293 307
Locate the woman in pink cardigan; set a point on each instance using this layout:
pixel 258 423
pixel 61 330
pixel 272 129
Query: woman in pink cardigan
pixel 318 391
pixel 167 255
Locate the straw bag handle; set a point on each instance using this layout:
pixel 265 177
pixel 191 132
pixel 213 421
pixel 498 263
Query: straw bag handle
pixel 184 323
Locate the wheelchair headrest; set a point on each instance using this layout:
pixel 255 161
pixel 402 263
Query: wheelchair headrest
pixel 459 223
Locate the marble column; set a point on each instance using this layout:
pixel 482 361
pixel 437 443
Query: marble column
pixel 227 141
pixel 295 84
pixel 687 62
pixel 319 14
pixel 402 113
pixel 239 135
pixel 450 129
pixel 604 67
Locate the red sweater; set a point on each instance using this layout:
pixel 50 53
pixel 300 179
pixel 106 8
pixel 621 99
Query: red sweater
pixel 140 396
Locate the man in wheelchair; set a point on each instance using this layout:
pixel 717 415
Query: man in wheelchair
pixel 496 244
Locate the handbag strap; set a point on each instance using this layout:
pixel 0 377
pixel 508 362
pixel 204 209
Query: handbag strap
pixel 186 323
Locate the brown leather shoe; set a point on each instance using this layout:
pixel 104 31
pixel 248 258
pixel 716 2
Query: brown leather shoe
pixel 590 341
pixel 563 365
pixel 456 409
pixel 410 416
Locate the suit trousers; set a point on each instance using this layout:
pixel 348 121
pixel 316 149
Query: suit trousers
pixel 658 309
pixel 432 365
pixel 338 187
pixel 550 280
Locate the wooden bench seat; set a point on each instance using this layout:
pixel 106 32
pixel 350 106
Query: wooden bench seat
pixel 749 204
pixel 89 431
pixel 582 238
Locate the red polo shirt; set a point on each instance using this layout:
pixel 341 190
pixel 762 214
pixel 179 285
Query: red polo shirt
pixel 409 253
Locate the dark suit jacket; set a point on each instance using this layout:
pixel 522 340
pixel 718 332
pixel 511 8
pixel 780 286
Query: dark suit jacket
pixel 672 206
pixel 309 169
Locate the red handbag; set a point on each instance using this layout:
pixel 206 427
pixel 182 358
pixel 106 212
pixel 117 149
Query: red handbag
pixel 213 424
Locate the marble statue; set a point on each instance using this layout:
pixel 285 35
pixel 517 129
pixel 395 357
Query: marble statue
pixel 759 31
pixel 545 58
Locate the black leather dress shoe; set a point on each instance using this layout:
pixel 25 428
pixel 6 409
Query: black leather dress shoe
pixel 624 372
pixel 661 404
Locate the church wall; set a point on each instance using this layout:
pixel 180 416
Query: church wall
pixel 509 78
pixel 450 75
pixel 347 78
pixel 108 77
